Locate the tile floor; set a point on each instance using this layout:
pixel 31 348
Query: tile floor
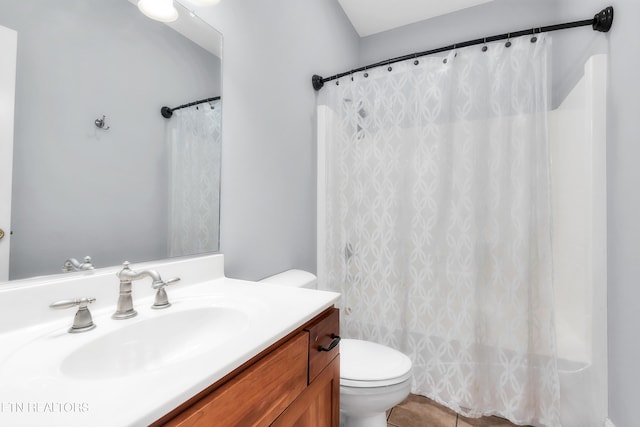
pixel 418 411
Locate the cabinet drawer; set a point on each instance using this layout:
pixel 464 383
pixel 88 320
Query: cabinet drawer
pixel 256 396
pixel 321 335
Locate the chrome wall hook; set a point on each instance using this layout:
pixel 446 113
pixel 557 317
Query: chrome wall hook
pixel 101 123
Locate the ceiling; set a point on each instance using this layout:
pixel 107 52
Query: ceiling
pixel 374 16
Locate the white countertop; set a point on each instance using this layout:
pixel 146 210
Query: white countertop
pixel 36 388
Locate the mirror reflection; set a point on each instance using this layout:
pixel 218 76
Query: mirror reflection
pixel 97 170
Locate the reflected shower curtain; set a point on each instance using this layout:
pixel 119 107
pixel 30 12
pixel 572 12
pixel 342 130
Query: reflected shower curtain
pixel 438 227
pixel 194 136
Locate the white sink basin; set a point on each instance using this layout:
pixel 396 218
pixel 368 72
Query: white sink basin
pixel 154 343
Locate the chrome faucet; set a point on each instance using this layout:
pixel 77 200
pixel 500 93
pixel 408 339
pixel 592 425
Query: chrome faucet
pixel 124 309
pixel 73 264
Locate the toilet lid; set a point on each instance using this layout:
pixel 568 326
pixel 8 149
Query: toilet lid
pixel 368 364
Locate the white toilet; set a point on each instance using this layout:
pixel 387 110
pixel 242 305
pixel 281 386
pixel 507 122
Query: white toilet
pixel 373 377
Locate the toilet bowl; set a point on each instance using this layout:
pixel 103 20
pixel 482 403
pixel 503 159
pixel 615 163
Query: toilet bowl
pixel 373 377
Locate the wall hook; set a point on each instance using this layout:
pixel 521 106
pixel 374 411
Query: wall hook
pixel 101 123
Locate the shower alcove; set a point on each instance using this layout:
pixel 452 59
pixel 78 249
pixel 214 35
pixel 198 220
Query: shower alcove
pixel 577 132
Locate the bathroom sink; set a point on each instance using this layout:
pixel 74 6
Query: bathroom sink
pixel 156 342
pixel 144 366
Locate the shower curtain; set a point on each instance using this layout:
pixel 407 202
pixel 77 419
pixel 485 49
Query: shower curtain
pixel 194 136
pixel 438 227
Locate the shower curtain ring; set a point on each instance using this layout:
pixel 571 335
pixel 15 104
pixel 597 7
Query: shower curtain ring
pixel 508 43
pixel 484 48
pixel 534 38
pixel 445 60
pixel 415 59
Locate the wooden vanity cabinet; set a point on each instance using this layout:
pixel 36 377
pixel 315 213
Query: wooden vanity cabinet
pixel 319 404
pixel 292 383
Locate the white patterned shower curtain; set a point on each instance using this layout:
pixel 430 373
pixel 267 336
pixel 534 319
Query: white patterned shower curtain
pixel 194 137
pixel 438 227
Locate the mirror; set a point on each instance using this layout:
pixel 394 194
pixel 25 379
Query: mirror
pixel 97 170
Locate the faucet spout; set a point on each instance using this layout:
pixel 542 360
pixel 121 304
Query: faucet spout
pixel 126 274
pixel 124 309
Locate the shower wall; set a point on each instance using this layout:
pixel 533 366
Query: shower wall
pixel 577 130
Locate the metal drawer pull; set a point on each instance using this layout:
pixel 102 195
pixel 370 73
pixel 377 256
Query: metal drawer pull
pixel 334 343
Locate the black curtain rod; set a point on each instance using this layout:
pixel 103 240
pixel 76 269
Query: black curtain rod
pixel 602 22
pixel 168 112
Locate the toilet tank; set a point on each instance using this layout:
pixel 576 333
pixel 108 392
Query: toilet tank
pixel 295 278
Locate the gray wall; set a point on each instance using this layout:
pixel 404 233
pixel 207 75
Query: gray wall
pixel 78 190
pixel 571 47
pixel 271 50
pixel 623 210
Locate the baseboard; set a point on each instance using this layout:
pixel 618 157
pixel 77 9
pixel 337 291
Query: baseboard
pixel 608 423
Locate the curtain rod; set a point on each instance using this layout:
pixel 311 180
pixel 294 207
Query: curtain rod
pixel 168 112
pixel 602 22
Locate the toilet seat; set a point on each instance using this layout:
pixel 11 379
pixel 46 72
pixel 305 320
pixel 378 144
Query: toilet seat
pixel 367 364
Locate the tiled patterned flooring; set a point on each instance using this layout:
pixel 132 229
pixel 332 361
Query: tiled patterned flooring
pixel 418 411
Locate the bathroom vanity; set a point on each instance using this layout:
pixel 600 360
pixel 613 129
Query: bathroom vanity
pixel 296 381
pixel 226 352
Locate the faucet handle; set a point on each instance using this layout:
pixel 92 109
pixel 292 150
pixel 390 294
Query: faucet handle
pixel 162 300
pixel 81 302
pixel 82 321
pixel 162 284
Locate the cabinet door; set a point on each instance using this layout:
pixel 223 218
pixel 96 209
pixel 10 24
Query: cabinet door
pixel 319 404
pixel 256 396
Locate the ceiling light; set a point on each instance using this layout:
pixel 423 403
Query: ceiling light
pixel 160 10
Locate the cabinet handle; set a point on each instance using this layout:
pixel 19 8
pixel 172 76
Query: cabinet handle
pixel 336 340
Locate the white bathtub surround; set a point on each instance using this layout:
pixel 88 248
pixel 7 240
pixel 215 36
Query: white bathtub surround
pixel 578 151
pixel 131 372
